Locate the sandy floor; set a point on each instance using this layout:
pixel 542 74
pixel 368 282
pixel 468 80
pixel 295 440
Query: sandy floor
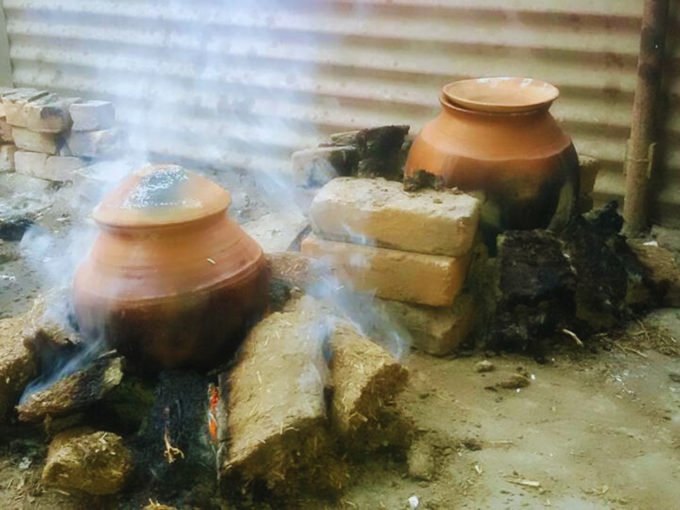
pixel 597 432
pixel 592 431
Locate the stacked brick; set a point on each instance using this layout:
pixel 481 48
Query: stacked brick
pixel 411 249
pixel 51 137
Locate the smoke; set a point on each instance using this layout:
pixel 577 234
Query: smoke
pixel 221 86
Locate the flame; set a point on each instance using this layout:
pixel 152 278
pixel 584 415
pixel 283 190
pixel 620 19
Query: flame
pixel 213 399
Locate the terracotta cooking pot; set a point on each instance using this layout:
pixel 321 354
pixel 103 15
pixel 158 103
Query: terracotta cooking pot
pixel 496 135
pixel 171 280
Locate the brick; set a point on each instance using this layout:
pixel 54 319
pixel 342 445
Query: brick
pixel 435 330
pixel 6 132
pixel 7 158
pixel 312 168
pixel 49 114
pixel 62 168
pixel 29 163
pixel 28 140
pixel 92 115
pixel 51 168
pixel 376 211
pixel 5 91
pixel 432 280
pixel 14 102
pixel 94 144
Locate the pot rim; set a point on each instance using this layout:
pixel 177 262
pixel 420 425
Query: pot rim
pixel 454 108
pixel 458 93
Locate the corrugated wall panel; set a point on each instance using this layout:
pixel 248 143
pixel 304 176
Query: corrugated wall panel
pixel 243 83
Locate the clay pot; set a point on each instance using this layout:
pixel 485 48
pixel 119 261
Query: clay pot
pixel 495 135
pixel 171 281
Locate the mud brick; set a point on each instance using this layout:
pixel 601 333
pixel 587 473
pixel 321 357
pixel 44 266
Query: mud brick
pixel 14 102
pixel 28 140
pixel 49 114
pixel 435 330
pixel 312 168
pixel 94 144
pixel 6 132
pixel 432 280
pixel 29 163
pixel 92 115
pixel 376 211
pixel 7 158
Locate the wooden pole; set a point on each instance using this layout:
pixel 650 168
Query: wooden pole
pixel 640 154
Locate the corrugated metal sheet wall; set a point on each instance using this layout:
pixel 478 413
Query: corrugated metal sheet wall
pixel 243 83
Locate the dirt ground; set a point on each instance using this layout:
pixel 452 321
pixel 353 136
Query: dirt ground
pixel 592 430
pixel 595 428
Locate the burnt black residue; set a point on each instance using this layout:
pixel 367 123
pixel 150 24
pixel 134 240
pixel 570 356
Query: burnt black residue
pixel 537 286
pixel 158 189
pixel 181 408
pixel 584 280
pixel 422 179
pixel 12 228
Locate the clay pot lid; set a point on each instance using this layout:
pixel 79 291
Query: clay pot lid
pixel 161 195
pixel 501 95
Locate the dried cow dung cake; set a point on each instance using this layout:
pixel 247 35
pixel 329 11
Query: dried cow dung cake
pixel 277 414
pixel 366 379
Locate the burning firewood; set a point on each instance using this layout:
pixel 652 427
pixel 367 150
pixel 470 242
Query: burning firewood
pixel 277 415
